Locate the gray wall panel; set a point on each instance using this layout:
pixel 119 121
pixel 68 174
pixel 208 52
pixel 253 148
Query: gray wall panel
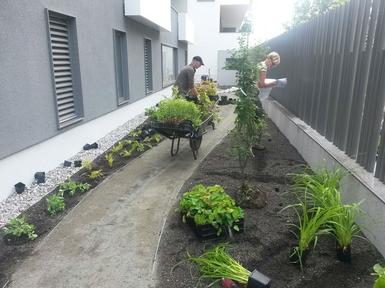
pixel 27 110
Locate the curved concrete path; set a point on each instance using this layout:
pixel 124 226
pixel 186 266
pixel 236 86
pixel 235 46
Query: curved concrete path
pixel 110 238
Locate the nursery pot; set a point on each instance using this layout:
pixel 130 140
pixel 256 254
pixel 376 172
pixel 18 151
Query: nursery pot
pixel 19 187
pixel 78 163
pixel 67 163
pixel 90 146
pixel 258 280
pixel 224 99
pixel 40 177
pixel 344 254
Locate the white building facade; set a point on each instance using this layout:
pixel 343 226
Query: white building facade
pixel 217 25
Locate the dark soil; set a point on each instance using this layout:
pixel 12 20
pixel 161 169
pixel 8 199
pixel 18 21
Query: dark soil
pixel 266 241
pixel 14 251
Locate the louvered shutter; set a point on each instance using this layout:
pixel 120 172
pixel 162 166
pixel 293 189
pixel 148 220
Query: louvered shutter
pixel 61 60
pixel 148 65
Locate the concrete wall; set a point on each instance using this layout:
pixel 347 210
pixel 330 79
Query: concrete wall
pixel 357 185
pixel 207 39
pixel 225 77
pixel 27 110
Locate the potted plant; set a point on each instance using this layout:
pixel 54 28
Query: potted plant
pixel 67 163
pixel 78 163
pixel 217 264
pixel 19 231
pixel 210 211
pixel 19 187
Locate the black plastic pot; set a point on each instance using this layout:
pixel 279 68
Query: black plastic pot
pixel 40 177
pixel 78 163
pixel 258 280
pixel 19 187
pixel 207 231
pixel 344 254
pixel 67 163
pixel 90 146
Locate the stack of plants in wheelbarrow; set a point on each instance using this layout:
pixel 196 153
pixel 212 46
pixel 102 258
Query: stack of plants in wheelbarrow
pixel 320 211
pixel 210 212
pixel 209 88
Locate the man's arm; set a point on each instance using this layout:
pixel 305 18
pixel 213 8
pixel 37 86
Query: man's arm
pixel 192 90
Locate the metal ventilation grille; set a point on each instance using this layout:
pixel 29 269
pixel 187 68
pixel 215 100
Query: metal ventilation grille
pixel 148 65
pixel 61 60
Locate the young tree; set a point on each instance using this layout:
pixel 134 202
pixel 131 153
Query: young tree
pixel 304 10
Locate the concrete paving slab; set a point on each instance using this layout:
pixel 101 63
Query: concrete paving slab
pixel 111 237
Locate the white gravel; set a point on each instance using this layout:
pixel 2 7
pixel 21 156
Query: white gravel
pixel 17 203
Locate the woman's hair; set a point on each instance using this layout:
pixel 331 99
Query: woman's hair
pixel 274 57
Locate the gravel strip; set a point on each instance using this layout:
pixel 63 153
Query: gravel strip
pixel 17 203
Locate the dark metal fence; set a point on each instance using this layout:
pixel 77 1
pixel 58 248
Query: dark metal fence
pixel 335 65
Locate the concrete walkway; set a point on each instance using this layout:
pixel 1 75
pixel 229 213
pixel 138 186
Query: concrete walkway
pixel 110 239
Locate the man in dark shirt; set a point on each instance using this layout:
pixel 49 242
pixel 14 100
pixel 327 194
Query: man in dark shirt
pixel 185 79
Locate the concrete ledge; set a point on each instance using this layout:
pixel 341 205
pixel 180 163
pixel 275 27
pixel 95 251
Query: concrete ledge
pixel 320 153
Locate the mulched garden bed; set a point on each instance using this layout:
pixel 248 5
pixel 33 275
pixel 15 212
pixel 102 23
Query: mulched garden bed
pixel 11 255
pixel 266 240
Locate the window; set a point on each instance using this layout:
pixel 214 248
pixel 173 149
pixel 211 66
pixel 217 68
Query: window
pixel 147 66
pixel 65 68
pixel 121 68
pixel 168 65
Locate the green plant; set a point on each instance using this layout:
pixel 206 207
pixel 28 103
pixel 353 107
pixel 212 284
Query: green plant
pixel 343 225
pixel 110 159
pixel 216 264
pixel 211 205
pixel 19 226
pixel 95 174
pixel 126 153
pixel 87 164
pixel 311 223
pixel 155 138
pixel 71 187
pixel 135 133
pixel 55 204
pixel 379 271
pixel 174 111
pixel 117 147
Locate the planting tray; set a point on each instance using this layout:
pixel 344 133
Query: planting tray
pixel 207 232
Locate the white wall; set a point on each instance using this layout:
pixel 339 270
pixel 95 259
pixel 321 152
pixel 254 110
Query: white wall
pixel 207 39
pixel 320 153
pixel 225 77
pixel 20 167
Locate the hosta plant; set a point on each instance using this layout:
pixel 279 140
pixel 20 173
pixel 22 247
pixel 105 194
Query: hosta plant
pixel 71 187
pixel 19 227
pixel 55 204
pixel 211 205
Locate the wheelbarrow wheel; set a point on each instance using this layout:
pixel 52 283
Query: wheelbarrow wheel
pixel 195 144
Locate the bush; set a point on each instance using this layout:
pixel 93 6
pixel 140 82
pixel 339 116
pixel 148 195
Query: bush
pixel 19 226
pixel 55 204
pixel 211 205
pixel 174 111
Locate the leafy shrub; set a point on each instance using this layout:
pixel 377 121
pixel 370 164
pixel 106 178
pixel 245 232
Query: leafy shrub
pixel 117 147
pixel 110 159
pixel 88 165
pixel 174 111
pixel 55 204
pixel 211 205
pixel 71 187
pixel 19 226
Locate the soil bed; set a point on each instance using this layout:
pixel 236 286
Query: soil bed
pixel 12 254
pixel 266 241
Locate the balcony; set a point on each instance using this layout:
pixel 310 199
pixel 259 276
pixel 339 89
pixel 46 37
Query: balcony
pixel 232 17
pixel 185 28
pixel 155 14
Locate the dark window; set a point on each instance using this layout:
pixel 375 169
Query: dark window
pixel 148 66
pixel 121 68
pixel 65 68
